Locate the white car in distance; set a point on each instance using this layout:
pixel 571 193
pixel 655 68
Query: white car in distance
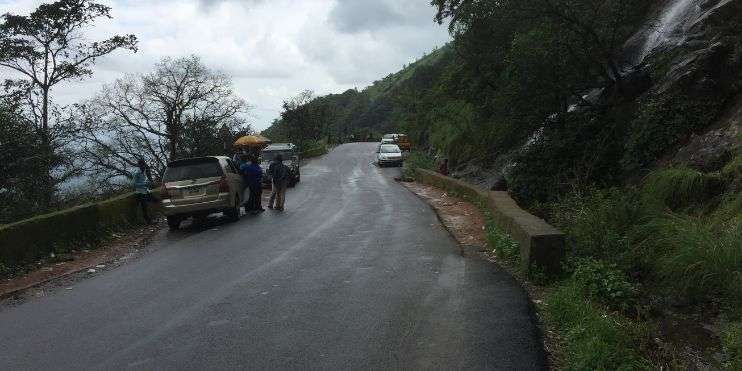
pixel 389 154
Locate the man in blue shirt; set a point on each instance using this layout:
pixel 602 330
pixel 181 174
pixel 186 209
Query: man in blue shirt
pixel 252 174
pixel 142 179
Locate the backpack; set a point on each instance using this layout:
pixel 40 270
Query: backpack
pixel 280 172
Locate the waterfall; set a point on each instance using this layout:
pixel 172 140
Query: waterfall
pixel 674 18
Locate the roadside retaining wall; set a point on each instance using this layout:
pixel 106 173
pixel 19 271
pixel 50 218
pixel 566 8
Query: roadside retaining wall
pixel 541 245
pixel 31 239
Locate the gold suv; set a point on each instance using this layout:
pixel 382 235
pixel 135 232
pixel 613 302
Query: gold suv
pixel 197 187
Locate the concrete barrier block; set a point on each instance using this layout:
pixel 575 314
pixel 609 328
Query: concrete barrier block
pixel 541 244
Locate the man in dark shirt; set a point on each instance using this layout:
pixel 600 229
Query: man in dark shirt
pixel 279 174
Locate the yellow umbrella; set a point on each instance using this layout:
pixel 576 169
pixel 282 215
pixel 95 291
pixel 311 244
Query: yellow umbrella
pixel 252 141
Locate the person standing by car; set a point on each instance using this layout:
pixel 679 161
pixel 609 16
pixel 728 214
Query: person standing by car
pixel 253 174
pixel 279 174
pixel 142 179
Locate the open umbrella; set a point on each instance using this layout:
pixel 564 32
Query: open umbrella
pixel 252 141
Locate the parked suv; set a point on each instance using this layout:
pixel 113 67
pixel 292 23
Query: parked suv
pixel 290 159
pixel 197 187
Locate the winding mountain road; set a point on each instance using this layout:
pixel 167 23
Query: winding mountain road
pixel 357 273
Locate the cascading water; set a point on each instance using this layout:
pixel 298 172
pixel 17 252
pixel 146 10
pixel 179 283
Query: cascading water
pixel 671 26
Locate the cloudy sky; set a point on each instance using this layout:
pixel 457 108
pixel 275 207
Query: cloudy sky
pixel 273 49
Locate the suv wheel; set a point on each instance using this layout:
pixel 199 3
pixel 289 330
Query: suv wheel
pixel 173 222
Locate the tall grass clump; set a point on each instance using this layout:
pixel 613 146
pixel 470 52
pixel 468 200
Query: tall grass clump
pixel 501 243
pixel 598 224
pixel 592 338
pixel 679 188
pixel 696 256
pixel 732 342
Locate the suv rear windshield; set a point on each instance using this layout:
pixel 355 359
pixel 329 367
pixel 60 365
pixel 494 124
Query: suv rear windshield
pixel 193 168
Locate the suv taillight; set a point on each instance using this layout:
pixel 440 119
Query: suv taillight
pixel 223 185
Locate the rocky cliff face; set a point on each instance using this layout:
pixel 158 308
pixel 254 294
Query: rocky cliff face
pixel 701 58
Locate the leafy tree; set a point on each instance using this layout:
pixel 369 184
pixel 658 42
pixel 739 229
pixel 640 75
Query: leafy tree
pixel 46 48
pixel 20 166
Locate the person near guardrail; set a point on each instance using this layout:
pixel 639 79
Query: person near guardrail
pixel 279 174
pixel 252 174
pixel 142 180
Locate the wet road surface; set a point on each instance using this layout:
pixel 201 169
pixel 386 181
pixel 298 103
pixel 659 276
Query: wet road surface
pixel 357 273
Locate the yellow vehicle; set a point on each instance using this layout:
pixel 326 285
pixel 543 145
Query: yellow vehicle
pixel 400 140
pixel 403 142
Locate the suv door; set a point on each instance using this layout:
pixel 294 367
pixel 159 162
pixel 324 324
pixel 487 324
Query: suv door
pixel 234 179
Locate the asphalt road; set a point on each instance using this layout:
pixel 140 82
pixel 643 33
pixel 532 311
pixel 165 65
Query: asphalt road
pixel 357 273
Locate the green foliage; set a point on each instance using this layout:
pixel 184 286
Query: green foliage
pixel 604 282
pixel 678 188
pixel 695 256
pixel 587 153
pixel 505 247
pixel 314 149
pixel 732 342
pixel 662 121
pixel 19 166
pixel 733 169
pixel 592 338
pixel 599 223
pixel 415 160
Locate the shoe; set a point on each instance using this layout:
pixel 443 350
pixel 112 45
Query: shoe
pixel 261 210
pixel 279 208
pixel 270 207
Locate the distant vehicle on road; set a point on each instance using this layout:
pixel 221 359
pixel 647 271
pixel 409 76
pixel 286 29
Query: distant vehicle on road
pixel 290 159
pixel 197 187
pixel 389 154
pixel 399 139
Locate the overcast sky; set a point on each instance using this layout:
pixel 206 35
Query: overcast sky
pixel 273 49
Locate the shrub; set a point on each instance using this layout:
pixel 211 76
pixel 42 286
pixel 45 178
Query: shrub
pixel 591 338
pixel 415 160
pixel 501 243
pixel 664 120
pixel 678 188
pixel 605 282
pixel 696 256
pixel 598 224
pixel 733 169
pixel 732 342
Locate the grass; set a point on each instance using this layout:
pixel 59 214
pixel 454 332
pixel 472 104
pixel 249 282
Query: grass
pixel 500 242
pixel 732 342
pixel 678 188
pixel 416 160
pixel 697 257
pixel 591 337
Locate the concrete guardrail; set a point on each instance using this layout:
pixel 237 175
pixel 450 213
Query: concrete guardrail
pixel 28 240
pixel 541 244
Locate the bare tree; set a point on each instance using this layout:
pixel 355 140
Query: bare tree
pixel 46 48
pixel 159 116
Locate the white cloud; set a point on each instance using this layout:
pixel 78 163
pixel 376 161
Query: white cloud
pixel 272 49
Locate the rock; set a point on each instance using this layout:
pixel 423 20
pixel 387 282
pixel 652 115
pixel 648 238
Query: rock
pixel 710 151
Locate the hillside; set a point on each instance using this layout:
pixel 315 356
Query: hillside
pixel 368 113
